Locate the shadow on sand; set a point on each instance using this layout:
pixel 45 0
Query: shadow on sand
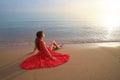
pixel 11 70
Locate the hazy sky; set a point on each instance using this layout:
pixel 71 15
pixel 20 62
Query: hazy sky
pixel 58 8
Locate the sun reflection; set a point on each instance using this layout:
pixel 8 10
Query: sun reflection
pixel 114 44
pixel 110 16
pixel 110 21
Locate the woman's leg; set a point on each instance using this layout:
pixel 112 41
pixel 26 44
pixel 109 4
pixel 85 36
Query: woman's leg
pixel 54 45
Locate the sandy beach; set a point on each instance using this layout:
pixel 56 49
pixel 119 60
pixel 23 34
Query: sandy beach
pixel 87 62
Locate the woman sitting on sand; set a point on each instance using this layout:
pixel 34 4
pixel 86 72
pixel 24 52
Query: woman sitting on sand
pixel 46 57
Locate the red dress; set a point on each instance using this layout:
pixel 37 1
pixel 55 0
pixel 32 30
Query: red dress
pixel 42 60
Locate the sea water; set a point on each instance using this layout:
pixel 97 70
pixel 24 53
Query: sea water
pixel 23 33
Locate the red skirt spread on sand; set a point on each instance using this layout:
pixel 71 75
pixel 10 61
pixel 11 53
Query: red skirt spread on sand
pixel 42 60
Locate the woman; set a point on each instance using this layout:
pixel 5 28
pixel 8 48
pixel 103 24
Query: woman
pixel 45 58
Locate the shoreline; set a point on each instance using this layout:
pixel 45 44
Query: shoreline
pixel 96 44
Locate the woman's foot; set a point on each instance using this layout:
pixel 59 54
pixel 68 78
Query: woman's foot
pixel 58 47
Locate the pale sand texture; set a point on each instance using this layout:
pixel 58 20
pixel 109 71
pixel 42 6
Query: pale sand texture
pixel 86 63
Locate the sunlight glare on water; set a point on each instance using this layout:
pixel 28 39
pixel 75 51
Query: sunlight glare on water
pixel 114 44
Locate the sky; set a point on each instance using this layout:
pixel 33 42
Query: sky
pixel 36 9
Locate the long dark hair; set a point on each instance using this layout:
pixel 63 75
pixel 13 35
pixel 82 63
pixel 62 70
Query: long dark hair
pixel 39 35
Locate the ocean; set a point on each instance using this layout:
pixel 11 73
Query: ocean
pixel 23 33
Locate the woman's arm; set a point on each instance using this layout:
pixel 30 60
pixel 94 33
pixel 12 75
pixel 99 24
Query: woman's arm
pixel 34 49
pixel 47 51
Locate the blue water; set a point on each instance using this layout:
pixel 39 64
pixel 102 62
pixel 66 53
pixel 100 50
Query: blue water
pixel 22 33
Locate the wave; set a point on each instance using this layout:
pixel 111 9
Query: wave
pixel 12 44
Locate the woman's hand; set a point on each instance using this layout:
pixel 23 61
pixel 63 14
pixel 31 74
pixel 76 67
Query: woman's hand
pixel 53 58
pixel 32 52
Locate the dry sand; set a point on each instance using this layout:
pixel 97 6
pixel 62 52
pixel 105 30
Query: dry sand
pixel 87 62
